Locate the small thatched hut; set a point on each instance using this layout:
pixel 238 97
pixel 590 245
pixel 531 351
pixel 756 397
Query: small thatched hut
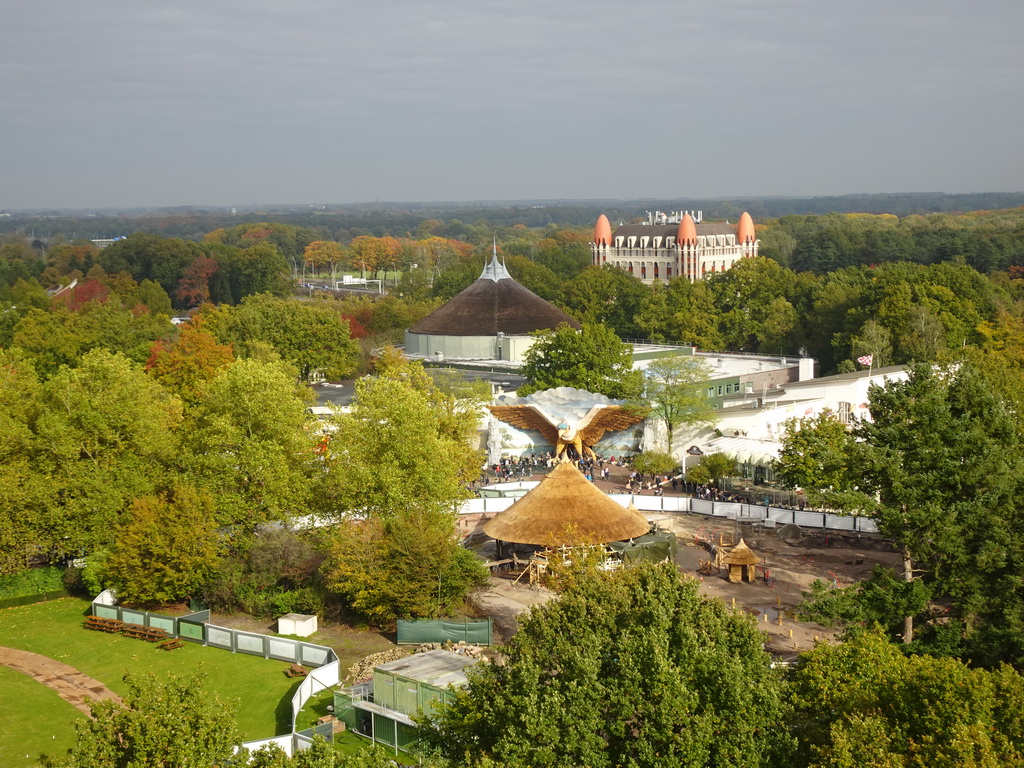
pixel 566 509
pixel 741 561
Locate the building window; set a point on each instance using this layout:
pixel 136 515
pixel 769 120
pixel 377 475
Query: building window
pixel 845 413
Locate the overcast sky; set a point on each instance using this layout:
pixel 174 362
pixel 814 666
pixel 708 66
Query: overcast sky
pixel 232 102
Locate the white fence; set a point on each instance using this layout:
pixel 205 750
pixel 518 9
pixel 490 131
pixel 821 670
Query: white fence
pixel 729 510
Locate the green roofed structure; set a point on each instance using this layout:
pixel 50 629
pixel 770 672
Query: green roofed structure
pixel 382 708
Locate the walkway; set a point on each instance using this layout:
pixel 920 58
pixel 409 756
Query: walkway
pixel 70 684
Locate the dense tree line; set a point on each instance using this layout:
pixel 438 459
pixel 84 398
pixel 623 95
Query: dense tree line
pixel 401 220
pixel 635 668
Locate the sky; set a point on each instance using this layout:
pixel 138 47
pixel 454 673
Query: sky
pixel 122 103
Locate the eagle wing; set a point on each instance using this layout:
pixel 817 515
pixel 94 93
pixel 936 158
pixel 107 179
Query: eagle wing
pixel 606 418
pixel 527 417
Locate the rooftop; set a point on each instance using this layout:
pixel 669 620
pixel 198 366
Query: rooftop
pixel 437 668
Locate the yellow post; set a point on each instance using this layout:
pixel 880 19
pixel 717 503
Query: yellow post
pixel 734 602
pixel 780 619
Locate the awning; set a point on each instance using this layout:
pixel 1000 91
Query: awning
pixel 745 450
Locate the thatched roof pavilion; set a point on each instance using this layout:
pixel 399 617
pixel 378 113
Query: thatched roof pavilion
pixel 566 509
pixel 741 560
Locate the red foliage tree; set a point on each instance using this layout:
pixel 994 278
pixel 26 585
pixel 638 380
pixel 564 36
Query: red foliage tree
pixel 194 287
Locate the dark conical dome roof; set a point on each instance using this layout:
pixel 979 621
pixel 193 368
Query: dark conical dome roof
pixel 566 509
pixel 494 304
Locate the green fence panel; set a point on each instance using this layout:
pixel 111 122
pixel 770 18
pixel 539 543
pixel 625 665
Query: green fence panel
pixel 106 611
pixel 190 630
pixel 133 617
pixel 166 623
pixel 344 711
pixel 251 643
pixel 436 631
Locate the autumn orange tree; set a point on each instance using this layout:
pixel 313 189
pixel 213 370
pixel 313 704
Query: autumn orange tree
pixel 186 365
pixel 321 253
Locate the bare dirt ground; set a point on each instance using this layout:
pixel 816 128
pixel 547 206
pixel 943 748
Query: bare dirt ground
pixel 70 684
pixel 793 562
pixel 350 643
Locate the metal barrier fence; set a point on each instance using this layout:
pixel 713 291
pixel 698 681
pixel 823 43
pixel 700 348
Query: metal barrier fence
pixel 197 629
pixel 194 629
pixel 756 513
pixel 730 510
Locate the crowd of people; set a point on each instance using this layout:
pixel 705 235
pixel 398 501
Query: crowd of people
pixel 511 469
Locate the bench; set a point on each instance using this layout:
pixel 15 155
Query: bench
pixel 140 632
pixel 295 670
pixel 101 624
pixel 170 645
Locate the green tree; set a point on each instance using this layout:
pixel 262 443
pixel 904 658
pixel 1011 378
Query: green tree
pixel 155 298
pixel 711 469
pixel 938 467
pixel 818 455
pixel 248 444
pixel 105 435
pixel 261 268
pixel 408 564
pixel 25 492
pixel 675 393
pixel 397 467
pixel 593 359
pixel 654 462
pixel 626 668
pixel 864 703
pixel 166 550
pixel 755 303
pixel 321 754
pixel 312 337
pixel 172 721
pixel 606 296
pixel 404 445
pixel 681 311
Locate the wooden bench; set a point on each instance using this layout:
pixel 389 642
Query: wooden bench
pixel 101 624
pixel 140 632
pixel 170 645
pixel 295 670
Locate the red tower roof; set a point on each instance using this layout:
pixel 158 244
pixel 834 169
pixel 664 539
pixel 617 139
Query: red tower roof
pixel 745 230
pixel 603 231
pixel 687 233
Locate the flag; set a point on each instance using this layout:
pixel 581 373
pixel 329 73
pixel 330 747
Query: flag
pixel 866 359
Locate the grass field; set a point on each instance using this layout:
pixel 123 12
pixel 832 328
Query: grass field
pixel 27 710
pixel 34 719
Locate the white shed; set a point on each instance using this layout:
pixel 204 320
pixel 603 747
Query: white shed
pixel 297 624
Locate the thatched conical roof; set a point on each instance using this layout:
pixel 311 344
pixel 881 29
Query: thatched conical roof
pixel 741 554
pixel 566 509
pixel 494 304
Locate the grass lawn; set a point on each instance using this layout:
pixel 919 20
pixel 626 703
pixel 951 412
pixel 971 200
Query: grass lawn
pixel 34 720
pixel 257 686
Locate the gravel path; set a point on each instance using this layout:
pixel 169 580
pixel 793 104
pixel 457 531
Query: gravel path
pixel 70 684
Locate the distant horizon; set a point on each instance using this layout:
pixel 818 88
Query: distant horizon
pixel 486 202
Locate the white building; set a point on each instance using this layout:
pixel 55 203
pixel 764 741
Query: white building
pixel 751 425
pixel 673 244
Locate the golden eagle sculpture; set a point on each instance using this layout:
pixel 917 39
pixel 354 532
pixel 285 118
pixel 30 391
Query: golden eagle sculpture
pixel 561 433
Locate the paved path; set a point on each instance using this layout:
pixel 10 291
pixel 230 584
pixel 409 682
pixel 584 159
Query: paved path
pixel 70 684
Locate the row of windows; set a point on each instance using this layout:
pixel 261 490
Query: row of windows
pixel 724 389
